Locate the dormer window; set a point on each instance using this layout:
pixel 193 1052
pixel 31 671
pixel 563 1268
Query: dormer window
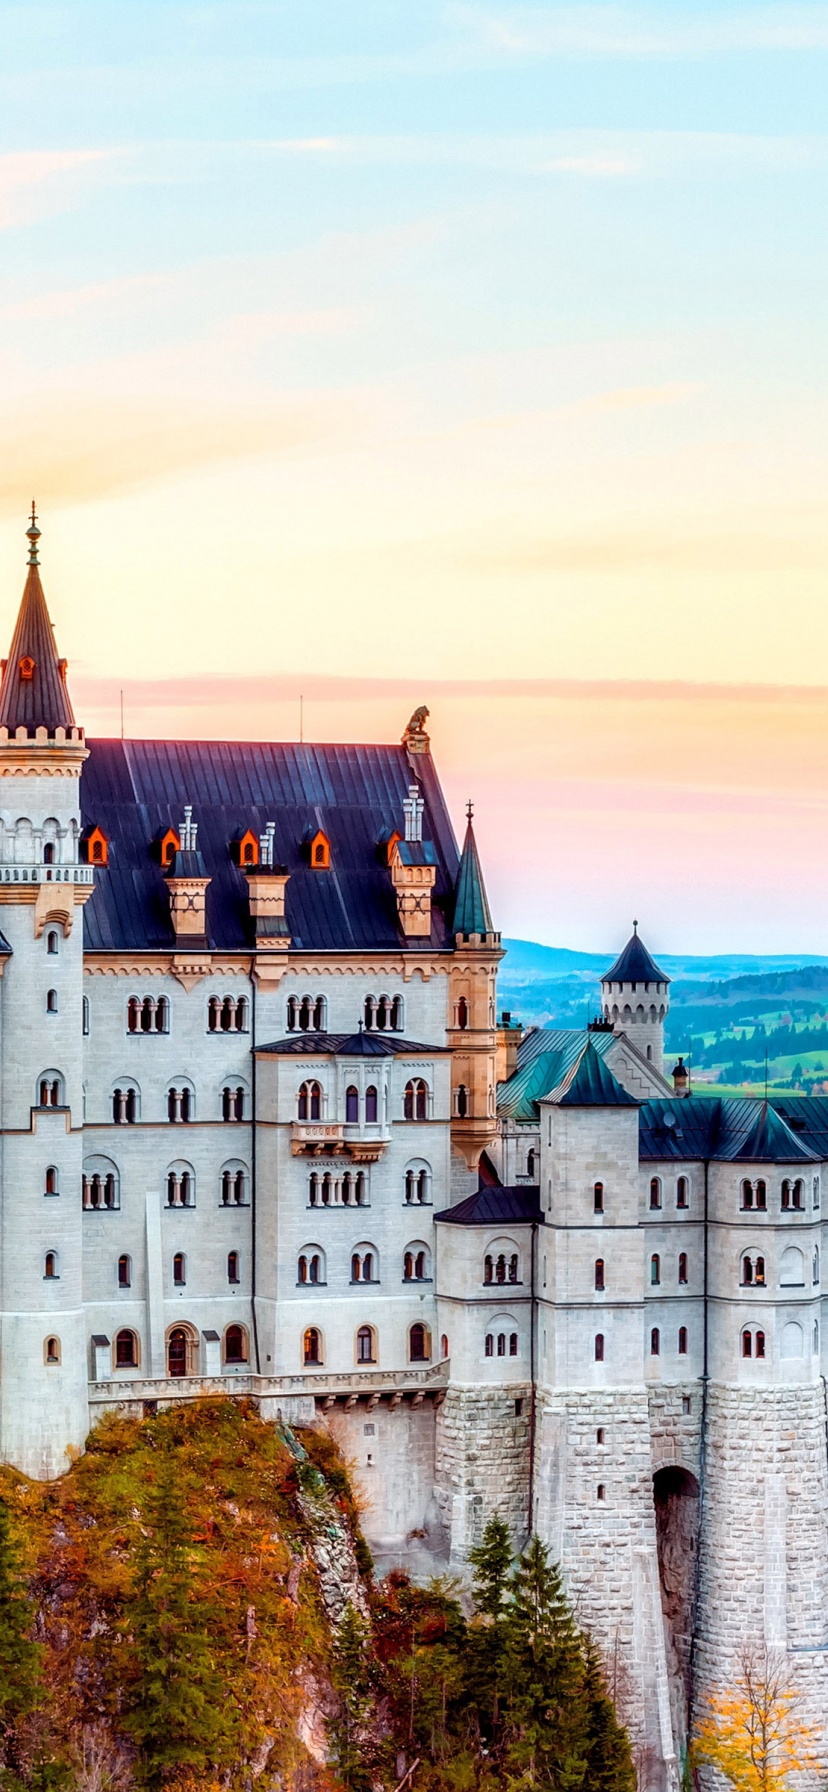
pixel 320 851
pixel 27 668
pixel 169 845
pixel 245 850
pixel 95 846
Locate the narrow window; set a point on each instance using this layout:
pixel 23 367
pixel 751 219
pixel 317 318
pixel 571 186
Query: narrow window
pixel 530 1165
pixel 48 853
pixel 489 1344
pixel 682 1190
pixel 52 945
pixel 747 1344
pixel 50 1267
pixel 233 1266
pixel 655 1341
pixel 599 1435
pixel 599 1347
pixel 747 1272
pixel 786 1195
pixel 365 1344
pixel 235 1344
pixel 315 1101
pixel 655 1270
pixel 316 1268
pixel 599 1275
pixel 761 1196
pixel 598 1198
pixel 51 1001
pixel 418 1344
pixel 444 1345
pixel 126 1354
pixel 462 1013
pixel 513 1343
pixel 601 1492
pixel 760 1343
pixel 682 1340
pixel 371 1105
pixel 513 1267
pixel 124 1272
pixel 488 1269
pixel 747 1196
pixel 356 1267
pixel 759 1274
pixel 51 1187
pixel 682 1268
pixel 179 1270
pixel 655 1192
pixel 52 1352
pixel 312 1346
pixel 351 1105
pixel 85 1016
pixel 462 1100
pixel 501 1343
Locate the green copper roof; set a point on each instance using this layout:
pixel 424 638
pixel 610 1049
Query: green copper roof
pixel 549 1055
pixel 594 1086
pixel 471 906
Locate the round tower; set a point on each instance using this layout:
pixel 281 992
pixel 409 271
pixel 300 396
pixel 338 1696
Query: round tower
pixel 635 997
pixel 43 885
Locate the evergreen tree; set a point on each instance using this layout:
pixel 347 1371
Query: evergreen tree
pixel 609 1760
pixel 546 1707
pixel 491 1562
pixel 179 1713
pixel 351 1678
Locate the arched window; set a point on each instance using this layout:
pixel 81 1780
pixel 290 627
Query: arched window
pixel 761 1196
pixel 233 1266
pixel 655 1341
pixel 500 1267
pixel 513 1343
pixel 815 1267
pixel 655 1270
pixel 179 1269
pixel 682 1340
pixel 747 1344
pixel 682 1268
pixel 416 1263
pixel 415 1102
pixel 513 1267
pixel 182 1351
pixel 232 1101
pixel 444 1345
pixel 235 1344
pixel 598 1197
pixel 312 1346
pixel 180 1104
pixel 180 1185
pixel 126 1350
pixel 419 1349
pixel 682 1192
pixel 51 1181
pixel 397 1014
pixel 309 1104
pixel 352 1105
pixel 747 1195
pixel 655 1192
pixel 488 1269
pixel 501 1343
pixel 759 1272
pixel 365 1344
pixel 530 1165
pixel 48 853
pixel 51 1350
pixel 371 1105
pixel 50 1266
pixel 101 1184
pixel 417 1184
pixel 51 1001
pixel 760 1343
pixel 599 1274
pixel 227 1014
pixel 747 1272
pixel 798 1195
pixel 50 1092
pixel 489 1344
pixel 124 1272
pixel 52 942
pixel 461 1101
pixel 125 1105
pixel 85 1016
pixel 599 1347
pixel 792 1268
pixel 462 1013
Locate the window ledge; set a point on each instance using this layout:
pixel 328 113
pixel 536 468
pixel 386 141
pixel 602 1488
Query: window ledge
pixel 312 1284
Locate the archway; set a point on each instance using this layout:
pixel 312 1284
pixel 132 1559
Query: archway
pixel 181 1350
pixel 676 1504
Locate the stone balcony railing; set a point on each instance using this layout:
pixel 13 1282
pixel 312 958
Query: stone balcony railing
pixel 309 1387
pixel 47 874
pixel 322 1138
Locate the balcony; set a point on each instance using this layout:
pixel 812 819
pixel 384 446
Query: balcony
pixel 301 1394
pixel 319 1138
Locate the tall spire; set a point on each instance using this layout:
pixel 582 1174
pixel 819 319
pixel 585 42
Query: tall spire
pixel 471 907
pixel 33 692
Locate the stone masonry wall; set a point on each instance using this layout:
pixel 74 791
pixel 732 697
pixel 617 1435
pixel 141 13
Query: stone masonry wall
pixel 482 1462
pixel 764 1543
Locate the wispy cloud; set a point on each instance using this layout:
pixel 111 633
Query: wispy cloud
pixel 68 301
pixel 616 31
pixel 24 170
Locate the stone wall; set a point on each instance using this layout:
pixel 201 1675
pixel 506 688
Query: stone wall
pixel 482 1451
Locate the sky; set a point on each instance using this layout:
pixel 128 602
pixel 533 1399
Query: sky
pixel 445 352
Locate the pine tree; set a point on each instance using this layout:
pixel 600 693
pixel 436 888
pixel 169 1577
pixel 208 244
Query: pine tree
pixel 546 1706
pixel 609 1760
pixel 20 1657
pixel 179 1712
pixel 491 1561
pixel 351 1679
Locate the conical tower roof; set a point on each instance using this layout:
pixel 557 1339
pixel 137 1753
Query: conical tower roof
pixel 634 965
pixel 33 692
pixel 471 904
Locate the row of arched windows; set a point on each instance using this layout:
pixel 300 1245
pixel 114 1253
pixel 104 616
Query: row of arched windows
pixel 754 1195
pixel 599 1347
pixel 365 1264
pixel 352 1105
pixel 656 1193
pixel 311 1102
pixel 126 1100
pixel 791 1269
pixel 307 1014
pixel 366 1345
pixel 501 1268
pixel 101 1185
pixel 179 1269
pixel 228 1014
pixel 383 1014
pixel 148 1014
pixel 497 1342
pixel 329 1188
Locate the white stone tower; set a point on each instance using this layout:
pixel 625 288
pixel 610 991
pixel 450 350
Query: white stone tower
pixel 635 997
pixel 43 1368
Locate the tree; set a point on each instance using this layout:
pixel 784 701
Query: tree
pixel 490 1562
pixel 754 1735
pixel 351 1679
pixel 609 1760
pixel 20 1657
pixel 546 1708
pixel 179 1713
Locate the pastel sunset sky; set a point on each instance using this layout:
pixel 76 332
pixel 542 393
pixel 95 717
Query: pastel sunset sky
pixel 402 351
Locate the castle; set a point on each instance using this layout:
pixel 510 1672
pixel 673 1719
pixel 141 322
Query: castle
pixel 262 1132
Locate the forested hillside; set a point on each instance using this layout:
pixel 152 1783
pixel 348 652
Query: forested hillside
pixel 192 1606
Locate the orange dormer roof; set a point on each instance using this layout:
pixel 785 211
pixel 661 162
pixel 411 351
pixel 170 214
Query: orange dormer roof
pixel 95 846
pixel 167 845
pixel 319 850
pixel 244 849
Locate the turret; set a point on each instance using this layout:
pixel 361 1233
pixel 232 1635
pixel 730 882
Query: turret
pixel 43 885
pixel 472 1022
pixel 635 999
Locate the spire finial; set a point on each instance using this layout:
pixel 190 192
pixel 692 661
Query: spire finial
pixel 33 534
pixel 635 926
pixel 469 811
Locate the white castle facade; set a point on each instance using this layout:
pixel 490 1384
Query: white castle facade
pixel 262 1132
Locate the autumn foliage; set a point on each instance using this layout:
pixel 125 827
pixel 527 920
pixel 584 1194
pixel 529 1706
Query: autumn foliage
pixel 754 1734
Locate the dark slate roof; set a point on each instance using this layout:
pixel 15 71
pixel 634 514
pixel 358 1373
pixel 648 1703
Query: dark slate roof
pixel 807 1118
pixel 471 906
pixel 41 701
pixel 635 964
pixel 5 948
pixel 740 1129
pixel 493 1206
pixel 545 1057
pixel 349 1045
pixel 592 1084
pixel 134 790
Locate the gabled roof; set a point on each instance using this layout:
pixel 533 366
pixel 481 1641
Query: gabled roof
pixel 135 790
pixel 471 906
pixel 592 1085
pixel 33 692
pixel 740 1129
pixel 349 1045
pixel 634 965
pixel 496 1206
pixel 545 1057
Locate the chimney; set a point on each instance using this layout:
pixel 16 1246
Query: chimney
pixel 681 1079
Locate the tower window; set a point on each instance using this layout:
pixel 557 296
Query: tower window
pixel 599 1275
pixel 682 1267
pixel 682 1340
pixel 179 1269
pixel 655 1193
pixel 682 1191
pixel 599 1347
pixel 598 1198
pixel 124 1272
pixel 655 1341
pixel 51 1001
pixel 52 943
pixel 50 1266
pixel 232 1266
pixel 655 1270
pixel 51 1350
